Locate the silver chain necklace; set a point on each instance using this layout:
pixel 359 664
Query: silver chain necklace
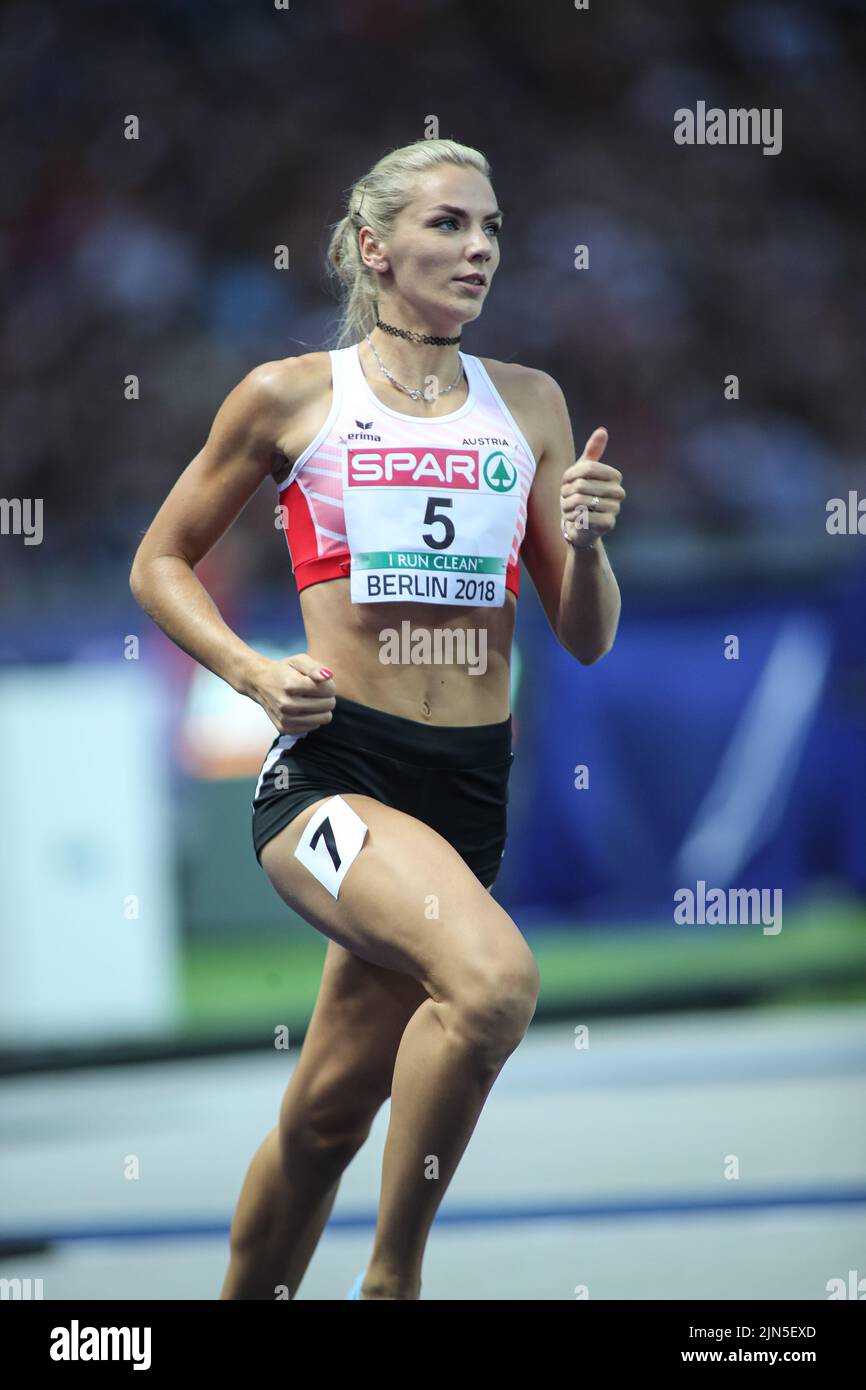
pixel 414 392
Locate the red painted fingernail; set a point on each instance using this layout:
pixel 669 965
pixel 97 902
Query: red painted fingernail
pixel 323 671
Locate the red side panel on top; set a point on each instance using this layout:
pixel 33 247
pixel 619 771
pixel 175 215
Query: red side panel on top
pixel 310 568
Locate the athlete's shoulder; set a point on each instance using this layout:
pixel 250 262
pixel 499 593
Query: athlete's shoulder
pixel 527 393
pixel 288 379
pixel 514 377
pixel 534 390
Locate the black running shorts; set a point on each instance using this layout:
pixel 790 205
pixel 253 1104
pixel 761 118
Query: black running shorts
pixel 452 777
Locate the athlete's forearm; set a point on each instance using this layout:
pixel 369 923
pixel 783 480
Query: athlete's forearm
pixel 170 592
pixel 589 604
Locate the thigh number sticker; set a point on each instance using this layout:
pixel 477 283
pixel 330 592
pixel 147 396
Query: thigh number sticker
pixel 330 842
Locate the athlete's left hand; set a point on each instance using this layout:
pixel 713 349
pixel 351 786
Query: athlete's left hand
pixel 584 480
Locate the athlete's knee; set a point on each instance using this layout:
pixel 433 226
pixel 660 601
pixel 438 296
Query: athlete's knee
pixel 494 1004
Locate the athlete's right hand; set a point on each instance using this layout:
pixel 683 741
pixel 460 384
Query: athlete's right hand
pixel 295 693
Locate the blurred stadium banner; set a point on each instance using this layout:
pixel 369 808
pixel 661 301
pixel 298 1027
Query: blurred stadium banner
pixel 684 766
pixel 89 925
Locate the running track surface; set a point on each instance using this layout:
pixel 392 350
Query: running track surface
pixel 599 1168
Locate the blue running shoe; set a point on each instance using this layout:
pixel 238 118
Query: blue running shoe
pixel 355 1290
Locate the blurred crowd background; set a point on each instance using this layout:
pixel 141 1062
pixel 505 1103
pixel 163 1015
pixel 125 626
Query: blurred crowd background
pixel 155 256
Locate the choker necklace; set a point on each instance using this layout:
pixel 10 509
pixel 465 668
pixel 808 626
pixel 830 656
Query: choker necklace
pixel 414 392
pixel 415 337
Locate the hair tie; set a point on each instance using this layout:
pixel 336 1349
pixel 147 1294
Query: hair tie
pixel 357 212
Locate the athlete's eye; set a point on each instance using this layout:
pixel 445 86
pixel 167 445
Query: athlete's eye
pixel 491 226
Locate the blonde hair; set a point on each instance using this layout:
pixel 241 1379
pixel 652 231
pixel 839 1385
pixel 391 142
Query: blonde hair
pixel 375 201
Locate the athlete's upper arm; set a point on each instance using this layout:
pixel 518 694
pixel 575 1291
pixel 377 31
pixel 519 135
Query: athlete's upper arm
pixel 543 550
pixel 238 453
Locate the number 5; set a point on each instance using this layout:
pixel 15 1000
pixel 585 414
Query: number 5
pixel 430 517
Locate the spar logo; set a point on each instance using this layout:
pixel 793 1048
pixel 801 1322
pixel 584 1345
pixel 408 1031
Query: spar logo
pixel 454 468
pixel 500 473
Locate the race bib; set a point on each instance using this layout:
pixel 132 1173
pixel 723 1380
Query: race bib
pixel 331 842
pixel 431 525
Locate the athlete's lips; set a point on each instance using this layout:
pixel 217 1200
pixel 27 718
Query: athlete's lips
pixel 476 277
pixel 477 287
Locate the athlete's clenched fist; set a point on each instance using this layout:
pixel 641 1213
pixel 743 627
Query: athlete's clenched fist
pixel 297 693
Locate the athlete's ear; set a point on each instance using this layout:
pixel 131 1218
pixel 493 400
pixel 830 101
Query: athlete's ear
pixel 370 246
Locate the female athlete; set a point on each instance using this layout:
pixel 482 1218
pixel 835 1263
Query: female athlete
pixel 411 477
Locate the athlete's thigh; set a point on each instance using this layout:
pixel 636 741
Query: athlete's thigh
pixel 408 902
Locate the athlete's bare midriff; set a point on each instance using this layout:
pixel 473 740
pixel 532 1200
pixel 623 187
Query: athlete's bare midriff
pixel 359 641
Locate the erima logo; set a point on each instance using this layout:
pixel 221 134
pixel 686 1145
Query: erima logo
pixel 363 426
pixel 414 467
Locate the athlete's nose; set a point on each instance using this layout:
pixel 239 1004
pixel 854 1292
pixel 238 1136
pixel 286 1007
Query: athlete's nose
pixel 478 261
pixel 484 252
pixel 481 248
